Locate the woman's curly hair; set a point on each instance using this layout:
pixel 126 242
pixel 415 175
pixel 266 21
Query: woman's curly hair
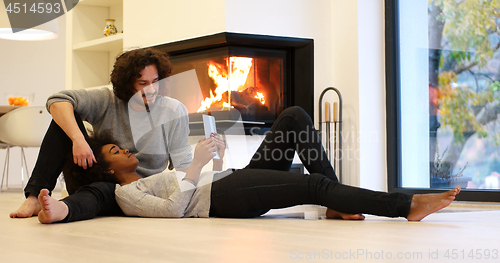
pixel 76 177
pixel 130 63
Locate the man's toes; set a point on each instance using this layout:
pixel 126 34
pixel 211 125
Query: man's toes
pixel 359 217
pixel 353 216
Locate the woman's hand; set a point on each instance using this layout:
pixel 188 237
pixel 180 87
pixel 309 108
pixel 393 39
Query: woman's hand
pixel 204 151
pixel 82 153
pixel 221 144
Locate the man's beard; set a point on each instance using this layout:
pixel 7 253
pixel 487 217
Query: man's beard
pixel 140 99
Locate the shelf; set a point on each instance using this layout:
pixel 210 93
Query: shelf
pixel 107 44
pixel 90 55
pixel 100 2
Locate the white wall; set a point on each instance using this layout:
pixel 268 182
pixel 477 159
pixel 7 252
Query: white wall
pixel 359 73
pixel 372 113
pixel 31 66
pixel 345 77
pixel 162 21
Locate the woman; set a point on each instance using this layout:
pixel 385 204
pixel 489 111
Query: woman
pixel 263 185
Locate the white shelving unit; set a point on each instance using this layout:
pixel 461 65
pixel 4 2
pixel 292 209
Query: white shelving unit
pixel 89 54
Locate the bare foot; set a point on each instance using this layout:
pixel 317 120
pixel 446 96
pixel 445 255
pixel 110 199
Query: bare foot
pixel 53 210
pixel 29 208
pixel 426 204
pixel 332 214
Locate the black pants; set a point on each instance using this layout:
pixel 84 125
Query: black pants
pixel 84 203
pixel 266 183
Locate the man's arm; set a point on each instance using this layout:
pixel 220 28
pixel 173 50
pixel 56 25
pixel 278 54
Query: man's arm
pixel 63 115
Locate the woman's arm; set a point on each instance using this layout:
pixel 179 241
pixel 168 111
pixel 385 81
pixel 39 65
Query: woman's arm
pixel 221 149
pixel 203 153
pixel 141 200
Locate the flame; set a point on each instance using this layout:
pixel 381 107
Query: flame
pixel 239 67
pixel 260 96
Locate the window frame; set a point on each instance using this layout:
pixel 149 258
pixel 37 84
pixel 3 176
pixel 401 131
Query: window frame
pixel 393 115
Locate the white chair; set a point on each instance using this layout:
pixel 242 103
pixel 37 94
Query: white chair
pixel 6 163
pixel 23 127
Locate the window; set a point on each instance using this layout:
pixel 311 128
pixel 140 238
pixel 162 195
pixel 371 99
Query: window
pixel 443 89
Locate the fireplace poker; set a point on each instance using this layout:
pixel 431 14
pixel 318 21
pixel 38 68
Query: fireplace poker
pixel 327 122
pixel 335 136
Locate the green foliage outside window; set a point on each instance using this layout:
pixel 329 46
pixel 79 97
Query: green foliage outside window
pixel 464 71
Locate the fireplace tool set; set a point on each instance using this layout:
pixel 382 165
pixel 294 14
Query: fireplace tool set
pixel 332 147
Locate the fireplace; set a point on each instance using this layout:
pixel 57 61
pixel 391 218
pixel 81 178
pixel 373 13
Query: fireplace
pixel 241 78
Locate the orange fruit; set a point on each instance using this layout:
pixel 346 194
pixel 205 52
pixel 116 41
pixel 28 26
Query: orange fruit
pixel 17 101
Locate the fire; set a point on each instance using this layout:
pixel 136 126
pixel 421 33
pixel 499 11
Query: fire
pixel 260 96
pixel 234 80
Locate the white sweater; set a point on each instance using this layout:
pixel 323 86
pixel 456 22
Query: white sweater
pixel 166 195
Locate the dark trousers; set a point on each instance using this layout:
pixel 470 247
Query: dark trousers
pixel 266 183
pixel 84 203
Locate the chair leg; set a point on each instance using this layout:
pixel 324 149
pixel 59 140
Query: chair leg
pixel 6 167
pixel 24 169
pixel 24 164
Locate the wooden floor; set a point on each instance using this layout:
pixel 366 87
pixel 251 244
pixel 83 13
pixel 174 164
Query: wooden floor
pixel 284 236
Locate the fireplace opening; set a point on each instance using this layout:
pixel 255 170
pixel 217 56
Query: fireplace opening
pixel 240 78
pixel 250 81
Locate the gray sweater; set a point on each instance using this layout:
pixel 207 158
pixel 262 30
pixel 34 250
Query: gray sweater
pixel 152 136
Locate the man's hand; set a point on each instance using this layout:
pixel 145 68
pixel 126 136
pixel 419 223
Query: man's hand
pixel 82 153
pixel 63 114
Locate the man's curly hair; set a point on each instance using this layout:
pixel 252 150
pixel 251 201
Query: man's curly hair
pixel 130 63
pixel 76 177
